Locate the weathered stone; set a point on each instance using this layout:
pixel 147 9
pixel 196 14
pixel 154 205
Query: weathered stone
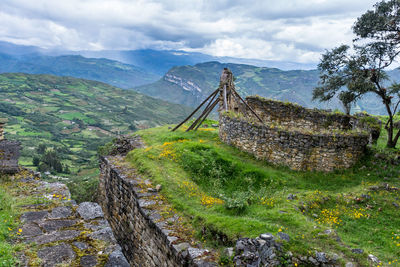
pixel 33 216
pixel 373 258
pixel 51 256
pixel 60 212
pixel 81 245
pixel 104 234
pixel 196 252
pixel 124 144
pixel 357 251
pixel 267 236
pixel 313 261
pixel 52 225
pixel 229 252
pixel 284 236
pixel 9 156
pixel 54 236
pixel 117 259
pixel 88 261
pixel 55 190
pixel 181 246
pixel 30 230
pixel 90 210
pixel 97 225
pixel 321 257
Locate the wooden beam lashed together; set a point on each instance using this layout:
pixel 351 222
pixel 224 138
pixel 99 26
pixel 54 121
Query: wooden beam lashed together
pixel 229 99
pixel 188 117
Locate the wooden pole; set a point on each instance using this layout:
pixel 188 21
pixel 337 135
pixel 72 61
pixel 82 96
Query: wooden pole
pixel 201 116
pixel 203 113
pixel 180 124
pixel 211 108
pixel 247 105
pixel 225 99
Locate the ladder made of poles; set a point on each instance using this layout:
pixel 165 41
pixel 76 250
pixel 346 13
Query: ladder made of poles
pixel 226 87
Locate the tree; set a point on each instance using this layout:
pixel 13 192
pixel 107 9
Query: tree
pixel 351 75
pixel 41 149
pixel 36 161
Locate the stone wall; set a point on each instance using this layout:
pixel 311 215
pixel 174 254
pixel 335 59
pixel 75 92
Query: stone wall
pixel 145 239
pixel 9 155
pixel 294 136
pixel 291 115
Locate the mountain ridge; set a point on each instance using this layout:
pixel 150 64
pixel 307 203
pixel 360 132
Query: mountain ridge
pixel 292 85
pixel 105 70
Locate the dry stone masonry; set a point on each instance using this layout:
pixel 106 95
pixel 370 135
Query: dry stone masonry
pixel 291 135
pixel 130 204
pixel 57 232
pixel 9 153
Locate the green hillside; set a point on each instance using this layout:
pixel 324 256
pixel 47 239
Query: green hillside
pixel 74 116
pixel 99 69
pixel 293 86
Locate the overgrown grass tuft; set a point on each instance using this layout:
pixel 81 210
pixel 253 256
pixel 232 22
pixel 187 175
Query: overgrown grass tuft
pixel 7 226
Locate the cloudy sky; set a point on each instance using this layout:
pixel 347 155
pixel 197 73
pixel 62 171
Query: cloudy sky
pixel 287 30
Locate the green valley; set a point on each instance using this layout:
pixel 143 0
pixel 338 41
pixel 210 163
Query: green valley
pixel 72 117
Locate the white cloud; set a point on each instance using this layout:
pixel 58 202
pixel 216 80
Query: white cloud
pixel 293 30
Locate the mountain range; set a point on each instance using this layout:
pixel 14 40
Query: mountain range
pixel 99 69
pixel 178 76
pixel 189 85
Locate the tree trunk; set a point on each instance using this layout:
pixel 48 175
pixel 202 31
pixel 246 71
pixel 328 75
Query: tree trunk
pixel 390 142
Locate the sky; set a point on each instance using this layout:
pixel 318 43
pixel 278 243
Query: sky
pixel 282 30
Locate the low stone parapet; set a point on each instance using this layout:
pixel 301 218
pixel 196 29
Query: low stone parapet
pixel 297 150
pixel 145 237
pixel 9 155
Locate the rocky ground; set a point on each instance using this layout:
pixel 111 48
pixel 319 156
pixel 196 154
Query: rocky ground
pixel 54 231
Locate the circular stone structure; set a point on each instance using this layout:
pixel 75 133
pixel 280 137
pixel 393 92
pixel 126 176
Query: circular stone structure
pixel 291 135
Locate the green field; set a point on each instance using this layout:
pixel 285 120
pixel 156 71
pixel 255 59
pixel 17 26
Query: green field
pixel 229 194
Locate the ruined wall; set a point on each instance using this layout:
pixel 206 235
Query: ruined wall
pixel 9 154
pixel 294 136
pixel 146 239
pixel 295 116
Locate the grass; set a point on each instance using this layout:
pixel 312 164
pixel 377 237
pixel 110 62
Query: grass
pixel 383 137
pixel 228 194
pixel 8 216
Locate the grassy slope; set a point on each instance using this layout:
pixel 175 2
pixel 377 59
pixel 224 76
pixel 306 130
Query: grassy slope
pixel 7 221
pixel 75 115
pixel 14 194
pixel 197 172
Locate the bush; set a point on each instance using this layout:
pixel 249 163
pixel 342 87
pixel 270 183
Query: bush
pixel 220 175
pixel 84 188
pixel 238 203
